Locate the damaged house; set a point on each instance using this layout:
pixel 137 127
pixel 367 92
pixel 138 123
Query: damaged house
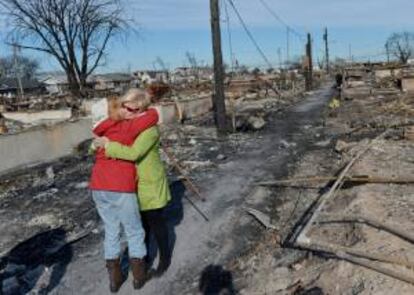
pixel 191 74
pixel 56 84
pixel 9 87
pixel 114 82
pixel 148 77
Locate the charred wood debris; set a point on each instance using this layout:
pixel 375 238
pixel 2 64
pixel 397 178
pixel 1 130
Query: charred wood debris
pixel 345 223
pixel 345 215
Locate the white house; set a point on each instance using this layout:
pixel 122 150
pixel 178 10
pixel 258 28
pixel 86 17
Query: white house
pixel 148 77
pixel 56 84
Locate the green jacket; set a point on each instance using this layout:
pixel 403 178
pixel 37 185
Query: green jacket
pixel 153 188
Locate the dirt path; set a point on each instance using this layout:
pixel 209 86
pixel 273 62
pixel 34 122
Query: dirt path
pixel 228 189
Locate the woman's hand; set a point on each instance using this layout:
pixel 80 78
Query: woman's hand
pixel 100 142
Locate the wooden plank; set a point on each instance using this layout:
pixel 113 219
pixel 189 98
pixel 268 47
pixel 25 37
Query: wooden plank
pixel 355 179
pixel 391 228
pixel 360 260
pixel 302 237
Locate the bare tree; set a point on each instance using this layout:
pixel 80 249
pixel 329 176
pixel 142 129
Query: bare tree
pixel 164 68
pixel 192 60
pixel 161 63
pixel 27 66
pixel 75 32
pixel 401 45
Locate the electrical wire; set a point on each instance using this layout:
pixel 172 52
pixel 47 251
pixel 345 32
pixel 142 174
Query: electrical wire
pixel 249 34
pixel 229 36
pixel 280 20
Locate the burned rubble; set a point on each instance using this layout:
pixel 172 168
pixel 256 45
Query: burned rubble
pixel 360 236
pixel 53 197
pixel 369 212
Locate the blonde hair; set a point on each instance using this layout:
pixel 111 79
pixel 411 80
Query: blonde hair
pixel 114 104
pixel 137 96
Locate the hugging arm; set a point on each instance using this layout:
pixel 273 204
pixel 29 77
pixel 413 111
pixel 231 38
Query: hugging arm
pixel 138 150
pixel 138 124
pixel 103 126
pixel 143 122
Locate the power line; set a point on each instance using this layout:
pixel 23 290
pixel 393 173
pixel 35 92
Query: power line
pixel 229 36
pixel 280 20
pixel 249 34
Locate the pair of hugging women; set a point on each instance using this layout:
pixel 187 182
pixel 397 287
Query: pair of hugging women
pixel 129 185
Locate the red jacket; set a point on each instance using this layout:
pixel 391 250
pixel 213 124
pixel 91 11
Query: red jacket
pixel 118 175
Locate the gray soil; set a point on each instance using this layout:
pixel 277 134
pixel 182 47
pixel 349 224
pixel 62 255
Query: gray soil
pixel 229 188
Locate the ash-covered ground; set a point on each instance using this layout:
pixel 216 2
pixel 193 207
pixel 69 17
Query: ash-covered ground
pixel 51 234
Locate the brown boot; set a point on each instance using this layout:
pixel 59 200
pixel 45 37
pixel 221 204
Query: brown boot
pixel 115 275
pixel 138 272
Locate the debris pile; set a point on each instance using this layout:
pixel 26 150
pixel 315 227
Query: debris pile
pixel 54 196
pixel 35 103
pixel 349 202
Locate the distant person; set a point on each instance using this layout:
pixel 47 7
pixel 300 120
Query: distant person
pixel 153 189
pixel 113 185
pixel 338 79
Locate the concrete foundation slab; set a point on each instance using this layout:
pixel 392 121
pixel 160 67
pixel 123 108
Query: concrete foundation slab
pixel 42 144
pixel 39 117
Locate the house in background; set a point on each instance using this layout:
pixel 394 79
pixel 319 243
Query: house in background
pixel 183 71
pixel 191 74
pixel 148 77
pixel 114 82
pixel 57 84
pixel 9 87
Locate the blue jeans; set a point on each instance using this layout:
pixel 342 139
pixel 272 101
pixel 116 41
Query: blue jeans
pixel 116 209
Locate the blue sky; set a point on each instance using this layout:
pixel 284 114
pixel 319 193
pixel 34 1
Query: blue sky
pixel 169 28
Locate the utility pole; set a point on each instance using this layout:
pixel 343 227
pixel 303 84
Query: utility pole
pixel 350 53
pixel 219 107
pixel 387 48
pixel 287 46
pixel 17 73
pixel 309 69
pixel 279 54
pixel 325 38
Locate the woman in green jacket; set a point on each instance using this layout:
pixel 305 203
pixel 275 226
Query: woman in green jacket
pixel 152 186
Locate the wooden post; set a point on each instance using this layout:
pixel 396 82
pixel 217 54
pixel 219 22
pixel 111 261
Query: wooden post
pixel 20 92
pixel 309 70
pixel 387 48
pixel 219 106
pixel 325 38
pixel 279 54
pixel 287 47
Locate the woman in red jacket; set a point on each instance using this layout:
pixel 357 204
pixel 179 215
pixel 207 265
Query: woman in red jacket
pixel 113 185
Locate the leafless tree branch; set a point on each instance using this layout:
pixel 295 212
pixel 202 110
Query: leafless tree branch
pixel 401 45
pixel 75 32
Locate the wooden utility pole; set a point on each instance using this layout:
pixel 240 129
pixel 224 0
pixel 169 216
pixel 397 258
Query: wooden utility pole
pixel 309 64
pixel 287 47
pixel 387 48
pixel 17 73
pixel 351 59
pixel 219 106
pixel 325 38
pixel 279 54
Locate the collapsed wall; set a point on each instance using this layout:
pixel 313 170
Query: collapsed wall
pixel 47 143
pixel 42 144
